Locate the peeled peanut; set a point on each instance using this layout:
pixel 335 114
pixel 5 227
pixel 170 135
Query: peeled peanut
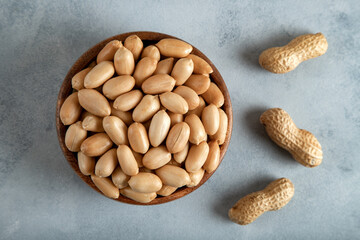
pixel 214 95
pixel 144 69
pixel 175 118
pixel 196 177
pixel 213 159
pixel 138 138
pixel 174 102
pixel 198 111
pixel 124 61
pixel 210 117
pixel 220 135
pixel 127 160
pixel 182 70
pixel 77 81
pixel 145 183
pixel 178 137
pixel 197 130
pixel 106 164
pixel 197 157
pixel 96 145
pixel 70 110
pixel 173 176
pixel 173 162
pixel 165 66
pixel 199 83
pixel 135 45
pixel 189 95
pixel 116 129
pixel 152 52
pixel 159 128
pixel 275 196
pixel 138 157
pixel 124 116
pixel 92 123
pixel 147 107
pixel 84 114
pixel 119 178
pixel 117 86
pixel 128 101
pixel 181 156
pixel 156 157
pixel 108 52
pixel 106 186
pixel 157 84
pixel 166 190
pixel 303 145
pixel 137 196
pixel 99 74
pixel 94 102
pixel 200 65
pixel 74 136
pixel 286 58
pixel 174 48
pixel 86 164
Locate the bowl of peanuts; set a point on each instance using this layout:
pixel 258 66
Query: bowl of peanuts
pixel 144 118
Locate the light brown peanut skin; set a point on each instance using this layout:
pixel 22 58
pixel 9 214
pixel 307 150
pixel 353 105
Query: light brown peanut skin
pixel 302 145
pixel 286 58
pixel 275 196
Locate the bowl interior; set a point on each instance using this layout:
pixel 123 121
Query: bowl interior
pixel 148 38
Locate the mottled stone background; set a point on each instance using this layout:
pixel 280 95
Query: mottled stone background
pixel 42 198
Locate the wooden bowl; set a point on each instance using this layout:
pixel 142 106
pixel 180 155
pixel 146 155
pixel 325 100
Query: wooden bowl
pixel 89 56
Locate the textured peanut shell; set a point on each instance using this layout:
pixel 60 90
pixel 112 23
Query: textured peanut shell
pixel 286 58
pixel 275 196
pixel 302 145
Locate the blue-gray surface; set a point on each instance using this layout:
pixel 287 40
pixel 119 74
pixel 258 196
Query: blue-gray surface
pixel 42 198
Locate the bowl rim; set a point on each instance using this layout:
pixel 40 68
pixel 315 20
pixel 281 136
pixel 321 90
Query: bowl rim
pixel 89 56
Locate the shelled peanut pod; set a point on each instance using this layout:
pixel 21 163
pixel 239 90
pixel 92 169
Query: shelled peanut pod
pixel 145 121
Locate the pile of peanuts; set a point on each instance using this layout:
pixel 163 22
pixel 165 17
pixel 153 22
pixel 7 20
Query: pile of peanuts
pixel 145 121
